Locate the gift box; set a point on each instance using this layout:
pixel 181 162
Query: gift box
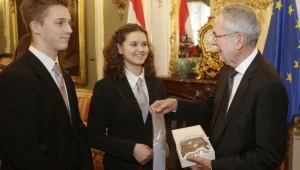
pixel 192 140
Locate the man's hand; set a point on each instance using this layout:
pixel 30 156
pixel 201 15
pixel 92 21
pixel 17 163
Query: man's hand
pixel 164 106
pixel 202 163
pixel 142 153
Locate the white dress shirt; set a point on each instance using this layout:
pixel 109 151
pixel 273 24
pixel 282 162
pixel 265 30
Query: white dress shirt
pixel 49 64
pixel 132 79
pixel 241 69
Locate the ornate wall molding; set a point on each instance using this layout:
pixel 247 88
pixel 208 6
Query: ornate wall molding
pixel 159 3
pixel 174 35
pixel 13 6
pixel 11 14
pixel 259 5
pixel 121 4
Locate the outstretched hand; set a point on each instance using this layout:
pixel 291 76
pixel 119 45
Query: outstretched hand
pixel 164 106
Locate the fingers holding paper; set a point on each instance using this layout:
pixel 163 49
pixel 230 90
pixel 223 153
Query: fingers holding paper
pixel 164 106
pixel 202 163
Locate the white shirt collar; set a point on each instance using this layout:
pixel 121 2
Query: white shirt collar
pixel 46 60
pixel 132 79
pixel 246 63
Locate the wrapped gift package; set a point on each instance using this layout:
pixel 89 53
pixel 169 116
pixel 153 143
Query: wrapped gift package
pixel 192 140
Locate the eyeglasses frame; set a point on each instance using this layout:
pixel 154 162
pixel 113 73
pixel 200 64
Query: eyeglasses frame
pixel 223 35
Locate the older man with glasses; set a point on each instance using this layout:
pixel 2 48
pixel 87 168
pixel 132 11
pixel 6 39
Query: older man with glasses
pixel 248 108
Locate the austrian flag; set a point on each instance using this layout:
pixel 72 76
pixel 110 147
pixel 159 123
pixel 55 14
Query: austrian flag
pixel 185 31
pixel 136 13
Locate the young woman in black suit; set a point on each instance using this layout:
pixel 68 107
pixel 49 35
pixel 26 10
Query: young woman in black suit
pixel 116 124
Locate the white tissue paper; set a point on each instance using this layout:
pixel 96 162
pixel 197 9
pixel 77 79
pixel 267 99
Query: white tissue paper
pixel 159 141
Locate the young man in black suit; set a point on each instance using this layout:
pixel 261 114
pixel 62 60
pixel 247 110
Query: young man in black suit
pixel 40 127
pixel 248 127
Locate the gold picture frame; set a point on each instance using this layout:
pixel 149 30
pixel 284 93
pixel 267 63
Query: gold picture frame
pixel 73 59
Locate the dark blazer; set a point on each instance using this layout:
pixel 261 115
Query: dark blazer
pixel 114 106
pixel 254 132
pixel 35 129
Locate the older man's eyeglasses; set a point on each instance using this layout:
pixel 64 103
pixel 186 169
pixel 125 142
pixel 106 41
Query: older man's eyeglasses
pixel 223 35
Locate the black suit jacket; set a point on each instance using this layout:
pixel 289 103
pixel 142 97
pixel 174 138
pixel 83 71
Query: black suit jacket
pixel 114 106
pixel 254 132
pixel 35 129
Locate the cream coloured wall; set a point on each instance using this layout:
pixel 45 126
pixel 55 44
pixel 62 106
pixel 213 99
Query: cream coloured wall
pixel 99 42
pixel 296 153
pixel 161 31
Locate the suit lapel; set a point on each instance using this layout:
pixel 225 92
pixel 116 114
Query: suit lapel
pixel 127 96
pixel 242 88
pixel 44 75
pixel 124 90
pixel 150 87
pixel 69 86
pixel 219 94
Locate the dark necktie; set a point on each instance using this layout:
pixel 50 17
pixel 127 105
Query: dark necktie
pixel 61 85
pixel 142 99
pixel 226 97
pixel 228 91
pixel 217 129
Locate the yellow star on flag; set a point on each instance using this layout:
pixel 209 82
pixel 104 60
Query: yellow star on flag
pixel 298 25
pixel 278 5
pixel 296 64
pixel 291 9
pixel 299 45
pixel 289 77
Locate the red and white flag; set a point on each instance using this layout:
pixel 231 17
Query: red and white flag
pixel 185 28
pixel 136 13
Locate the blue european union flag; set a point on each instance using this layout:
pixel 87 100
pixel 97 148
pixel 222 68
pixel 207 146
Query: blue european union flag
pixel 282 49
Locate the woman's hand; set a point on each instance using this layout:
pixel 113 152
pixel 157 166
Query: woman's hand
pixel 142 153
